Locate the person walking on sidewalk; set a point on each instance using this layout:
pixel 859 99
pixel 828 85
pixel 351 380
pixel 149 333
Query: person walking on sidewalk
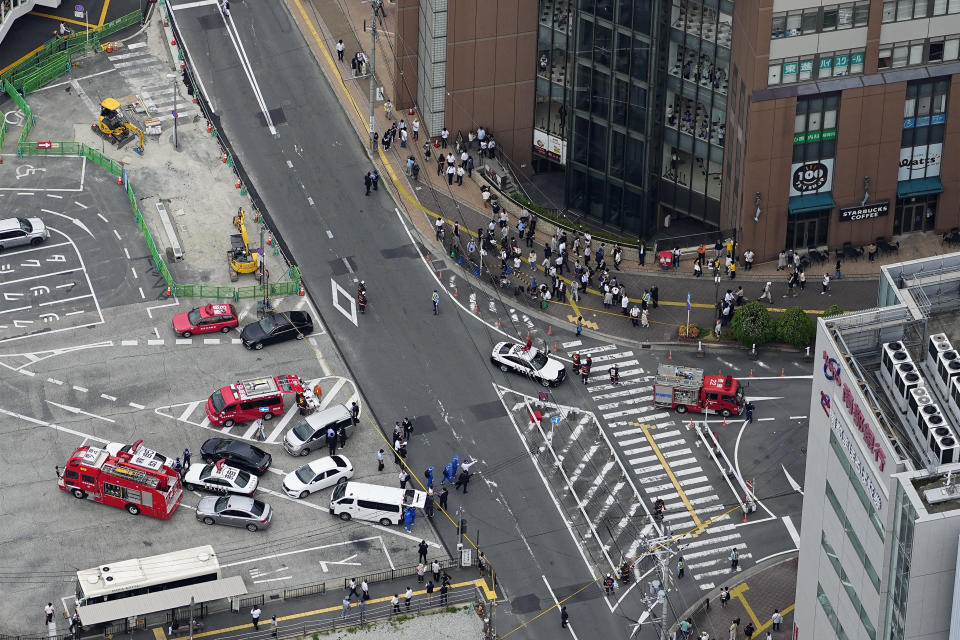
pixel 388 109
pixel 353 588
pixel 776 619
pixel 724 596
pixel 346 607
pixel 435 569
pixel 443 137
pixel 767 293
pixel 825 283
pixel 255 617
pixel 416 129
pixel 422 550
pixel 367 182
pixel 340 50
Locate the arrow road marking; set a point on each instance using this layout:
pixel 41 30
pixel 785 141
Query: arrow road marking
pixel 78 411
pixel 793 483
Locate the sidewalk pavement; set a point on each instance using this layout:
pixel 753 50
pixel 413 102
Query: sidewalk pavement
pixel 302 616
pixel 324 23
pixel 754 595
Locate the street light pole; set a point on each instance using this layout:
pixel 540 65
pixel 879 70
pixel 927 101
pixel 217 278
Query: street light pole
pixel 176 142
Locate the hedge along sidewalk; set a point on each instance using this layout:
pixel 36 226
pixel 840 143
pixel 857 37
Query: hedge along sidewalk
pixel 70 148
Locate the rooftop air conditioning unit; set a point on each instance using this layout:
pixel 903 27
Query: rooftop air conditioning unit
pixel 953 401
pixel 929 419
pixel 894 353
pixel 936 344
pixel 943 443
pixel 907 377
pixel 919 398
pixel 948 367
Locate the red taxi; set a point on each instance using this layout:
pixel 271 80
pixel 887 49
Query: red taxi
pixel 206 319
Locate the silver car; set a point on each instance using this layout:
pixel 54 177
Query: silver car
pixel 235 511
pixel 19 231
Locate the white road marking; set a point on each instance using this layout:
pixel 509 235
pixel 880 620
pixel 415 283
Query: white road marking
pixel 798 417
pixel 106 397
pixel 154 343
pixel 129 343
pixel 330 234
pixel 335 290
pixel 79 434
pixel 135 405
pixel 184 340
pixel 126 252
pixel 102 217
pixel 55 381
pixel 52 195
pixel 79 411
pixel 188 410
pixel 81 389
pixel 792 530
pixel 81 205
pixel 557 605
pixel 142 295
pixel 211 341
pixel 134 272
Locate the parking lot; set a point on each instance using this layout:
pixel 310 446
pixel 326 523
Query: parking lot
pixel 154 389
pixel 94 258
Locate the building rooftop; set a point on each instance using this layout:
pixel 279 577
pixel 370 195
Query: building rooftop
pixel 916 300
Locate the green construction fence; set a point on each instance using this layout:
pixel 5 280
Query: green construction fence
pixel 44 71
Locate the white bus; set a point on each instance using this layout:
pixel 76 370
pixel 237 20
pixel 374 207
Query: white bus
pixel 128 578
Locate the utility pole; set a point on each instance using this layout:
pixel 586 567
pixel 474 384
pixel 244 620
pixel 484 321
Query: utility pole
pixel 373 79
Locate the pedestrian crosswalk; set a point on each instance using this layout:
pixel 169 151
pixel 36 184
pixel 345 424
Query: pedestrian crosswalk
pixel 666 462
pixel 146 75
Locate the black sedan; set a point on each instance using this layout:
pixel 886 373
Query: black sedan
pixel 237 454
pixel 277 327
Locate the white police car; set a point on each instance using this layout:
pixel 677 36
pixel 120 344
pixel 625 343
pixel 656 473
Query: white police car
pixel 530 362
pixel 219 477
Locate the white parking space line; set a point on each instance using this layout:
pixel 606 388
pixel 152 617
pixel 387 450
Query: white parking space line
pixel 236 341
pixel 155 343
pixel 135 405
pixel 129 343
pixel 134 272
pixel 184 340
pixel 106 397
pixel 17 309
pixel 54 381
pixel 45 304
pixel 102 217
pixel 81 205
pixel 117 234
pixel 186 412
pixel 81 389
pixel 282 424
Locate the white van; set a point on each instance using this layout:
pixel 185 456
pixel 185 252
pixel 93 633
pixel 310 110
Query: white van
pixel 374 502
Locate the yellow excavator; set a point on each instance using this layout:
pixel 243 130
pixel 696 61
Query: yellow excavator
pixel 242 260
pixel 114 126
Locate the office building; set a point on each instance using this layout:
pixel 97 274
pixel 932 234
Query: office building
pixel 880 528
pixel 843 122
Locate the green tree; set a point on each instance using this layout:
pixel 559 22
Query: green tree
pixel 752 324
pixel 832 310
pixel 795 328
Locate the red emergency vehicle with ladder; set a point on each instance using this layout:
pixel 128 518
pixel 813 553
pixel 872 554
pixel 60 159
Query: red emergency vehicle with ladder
pixel 687 389
pixel 248 400
pixel 147 486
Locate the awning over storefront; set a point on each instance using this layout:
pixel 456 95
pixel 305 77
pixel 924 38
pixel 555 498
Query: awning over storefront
pixel 919 187
pixel 815 202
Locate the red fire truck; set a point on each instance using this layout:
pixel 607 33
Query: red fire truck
pixel 248 400
pixel 687 389
pixel 149 487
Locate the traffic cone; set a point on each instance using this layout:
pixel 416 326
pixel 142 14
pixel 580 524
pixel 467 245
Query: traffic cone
pixel 223 156
pixel 556 347
pixel 173 42
pixel 751 373
pixel 549 330
pixel 456 293
pixel 270 239
pixel 410 112
pixel 783 373
pixel 210 128
pixel 499 324
pixel 670 354
pixel 302 292
pixel 168 291
pixel 120 180
pixel 238 183
pixel 724 423
pixel 476 309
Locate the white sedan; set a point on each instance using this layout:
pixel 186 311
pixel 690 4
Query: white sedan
pixel 528 361
pixel 317 475
pixel 218 477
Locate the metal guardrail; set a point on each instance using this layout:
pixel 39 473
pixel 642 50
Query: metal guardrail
pixel 393 574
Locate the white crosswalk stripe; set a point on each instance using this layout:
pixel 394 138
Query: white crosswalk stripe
pixel 621 407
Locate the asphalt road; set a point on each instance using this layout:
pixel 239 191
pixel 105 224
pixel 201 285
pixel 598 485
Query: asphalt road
pixel 408 362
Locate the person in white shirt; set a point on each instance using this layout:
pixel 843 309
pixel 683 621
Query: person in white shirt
pixel 340 50
pixel 416 129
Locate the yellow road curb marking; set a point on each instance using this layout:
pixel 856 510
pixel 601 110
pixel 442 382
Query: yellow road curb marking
pixel 666 467
pixel 738 591
pixel 159 633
